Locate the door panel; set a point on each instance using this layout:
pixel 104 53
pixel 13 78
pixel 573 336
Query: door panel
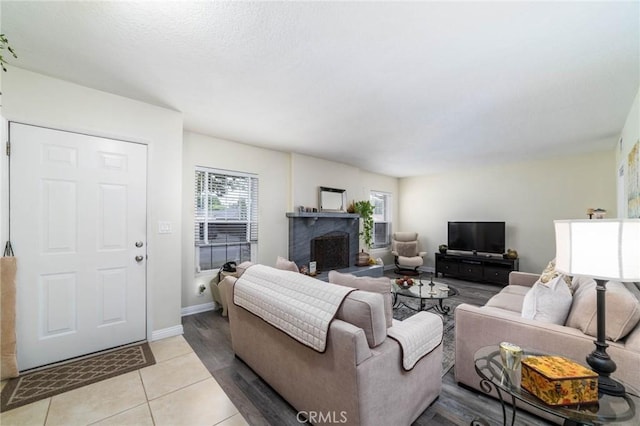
pixel 59 216
pixel 112 221
pixel 58 304
pixel 112 283
pixel 78 206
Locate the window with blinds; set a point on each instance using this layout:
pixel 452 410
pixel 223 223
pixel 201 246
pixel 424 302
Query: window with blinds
pixel 381 202
pixel 226 217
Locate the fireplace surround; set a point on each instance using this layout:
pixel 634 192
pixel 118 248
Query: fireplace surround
pixel 334 233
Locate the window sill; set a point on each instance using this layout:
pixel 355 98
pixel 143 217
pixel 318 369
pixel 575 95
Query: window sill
pixel 380 249
pixel 206 274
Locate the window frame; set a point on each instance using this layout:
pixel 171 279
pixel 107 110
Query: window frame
pixel 200 217
pixel 387 218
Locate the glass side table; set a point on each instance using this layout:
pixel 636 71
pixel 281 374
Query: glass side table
pixel 609 409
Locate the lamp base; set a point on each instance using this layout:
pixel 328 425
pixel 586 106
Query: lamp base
pixel 609 386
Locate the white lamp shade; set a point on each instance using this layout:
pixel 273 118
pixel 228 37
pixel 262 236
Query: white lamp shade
pixel 607 249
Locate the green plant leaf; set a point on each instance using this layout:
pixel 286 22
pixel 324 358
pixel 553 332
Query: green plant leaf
pixel 365 210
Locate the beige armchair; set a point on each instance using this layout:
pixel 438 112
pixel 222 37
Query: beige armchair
pixel 406 251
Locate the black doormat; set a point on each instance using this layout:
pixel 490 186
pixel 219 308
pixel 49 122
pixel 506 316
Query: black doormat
pixel 60 378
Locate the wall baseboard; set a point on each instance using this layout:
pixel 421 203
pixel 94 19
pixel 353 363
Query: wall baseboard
pixel 176 330
pixel 196 309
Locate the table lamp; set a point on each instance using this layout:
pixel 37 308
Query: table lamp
pixel 605 250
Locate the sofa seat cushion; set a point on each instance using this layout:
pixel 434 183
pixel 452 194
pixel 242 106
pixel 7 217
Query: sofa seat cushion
pixel 380 285
pixel 548 302
pixel 510 298
pixel 410 262
pixel 622 305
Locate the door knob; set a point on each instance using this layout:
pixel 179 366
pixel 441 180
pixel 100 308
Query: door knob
pixel 139 244
pixel 139 258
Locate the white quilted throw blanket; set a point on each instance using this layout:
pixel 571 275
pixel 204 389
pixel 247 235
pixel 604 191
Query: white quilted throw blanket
pixel 418 336
pixel 297 304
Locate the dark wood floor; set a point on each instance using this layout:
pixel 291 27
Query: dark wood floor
pixel 208 334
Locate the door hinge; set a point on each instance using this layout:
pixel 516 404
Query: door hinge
pixel 8 149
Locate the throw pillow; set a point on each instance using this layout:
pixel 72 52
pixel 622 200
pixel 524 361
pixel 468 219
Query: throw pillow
pixel 286 264
pixel 242 267
pixel 550 273
pixel 622 310
pixel 380 285
pixel 408 249
pixel 548 302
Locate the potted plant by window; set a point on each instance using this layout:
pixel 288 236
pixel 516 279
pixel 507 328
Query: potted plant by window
pixel 4 44
pixel 365 210
pixel 443 248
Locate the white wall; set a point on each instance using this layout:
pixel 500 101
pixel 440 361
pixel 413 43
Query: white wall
pixel 272 168
pixel 629 137
pixel 309 173
pixel 36 99
pixel 528 196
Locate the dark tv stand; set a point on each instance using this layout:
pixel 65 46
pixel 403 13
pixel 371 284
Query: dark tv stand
pixel 476 267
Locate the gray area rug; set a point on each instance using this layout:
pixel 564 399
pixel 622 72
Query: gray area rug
pixel 448 340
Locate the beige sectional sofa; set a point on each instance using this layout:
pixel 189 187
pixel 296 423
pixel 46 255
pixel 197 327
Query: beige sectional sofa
pixel 359 378
pixel 501 320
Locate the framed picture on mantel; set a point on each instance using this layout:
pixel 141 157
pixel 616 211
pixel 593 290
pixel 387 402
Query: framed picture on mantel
pixel 332 199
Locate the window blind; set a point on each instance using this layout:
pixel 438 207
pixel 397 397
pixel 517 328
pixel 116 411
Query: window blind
pixel 381 218
pixel 226 214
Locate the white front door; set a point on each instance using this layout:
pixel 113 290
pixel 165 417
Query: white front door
pixel 78 228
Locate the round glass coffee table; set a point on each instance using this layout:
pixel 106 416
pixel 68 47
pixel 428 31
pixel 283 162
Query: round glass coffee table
pixel 506 383
pixel 424 291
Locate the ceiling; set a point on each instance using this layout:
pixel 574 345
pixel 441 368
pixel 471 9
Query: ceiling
pixel 395 88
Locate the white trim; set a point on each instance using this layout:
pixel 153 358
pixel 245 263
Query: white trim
pixel 225 172
pixel 428 269
pixel 196 309
pixel 176 330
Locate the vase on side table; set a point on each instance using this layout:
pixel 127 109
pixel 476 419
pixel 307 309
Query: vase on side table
pixel 362 259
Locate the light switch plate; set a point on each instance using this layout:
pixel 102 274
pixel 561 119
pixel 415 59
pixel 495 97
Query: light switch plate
pixel 164 228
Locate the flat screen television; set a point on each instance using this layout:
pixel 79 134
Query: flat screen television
pixel 486 237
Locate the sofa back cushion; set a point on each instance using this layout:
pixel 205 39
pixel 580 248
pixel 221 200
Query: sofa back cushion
pixel 632 341
pixel 548 302
pixel 380 285
pixel 242 267
pixel 286 264
pixel 622 305
pixel 408 249
pixel 365 310
pixel 510 298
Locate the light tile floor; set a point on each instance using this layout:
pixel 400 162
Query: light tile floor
pixel 177 390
